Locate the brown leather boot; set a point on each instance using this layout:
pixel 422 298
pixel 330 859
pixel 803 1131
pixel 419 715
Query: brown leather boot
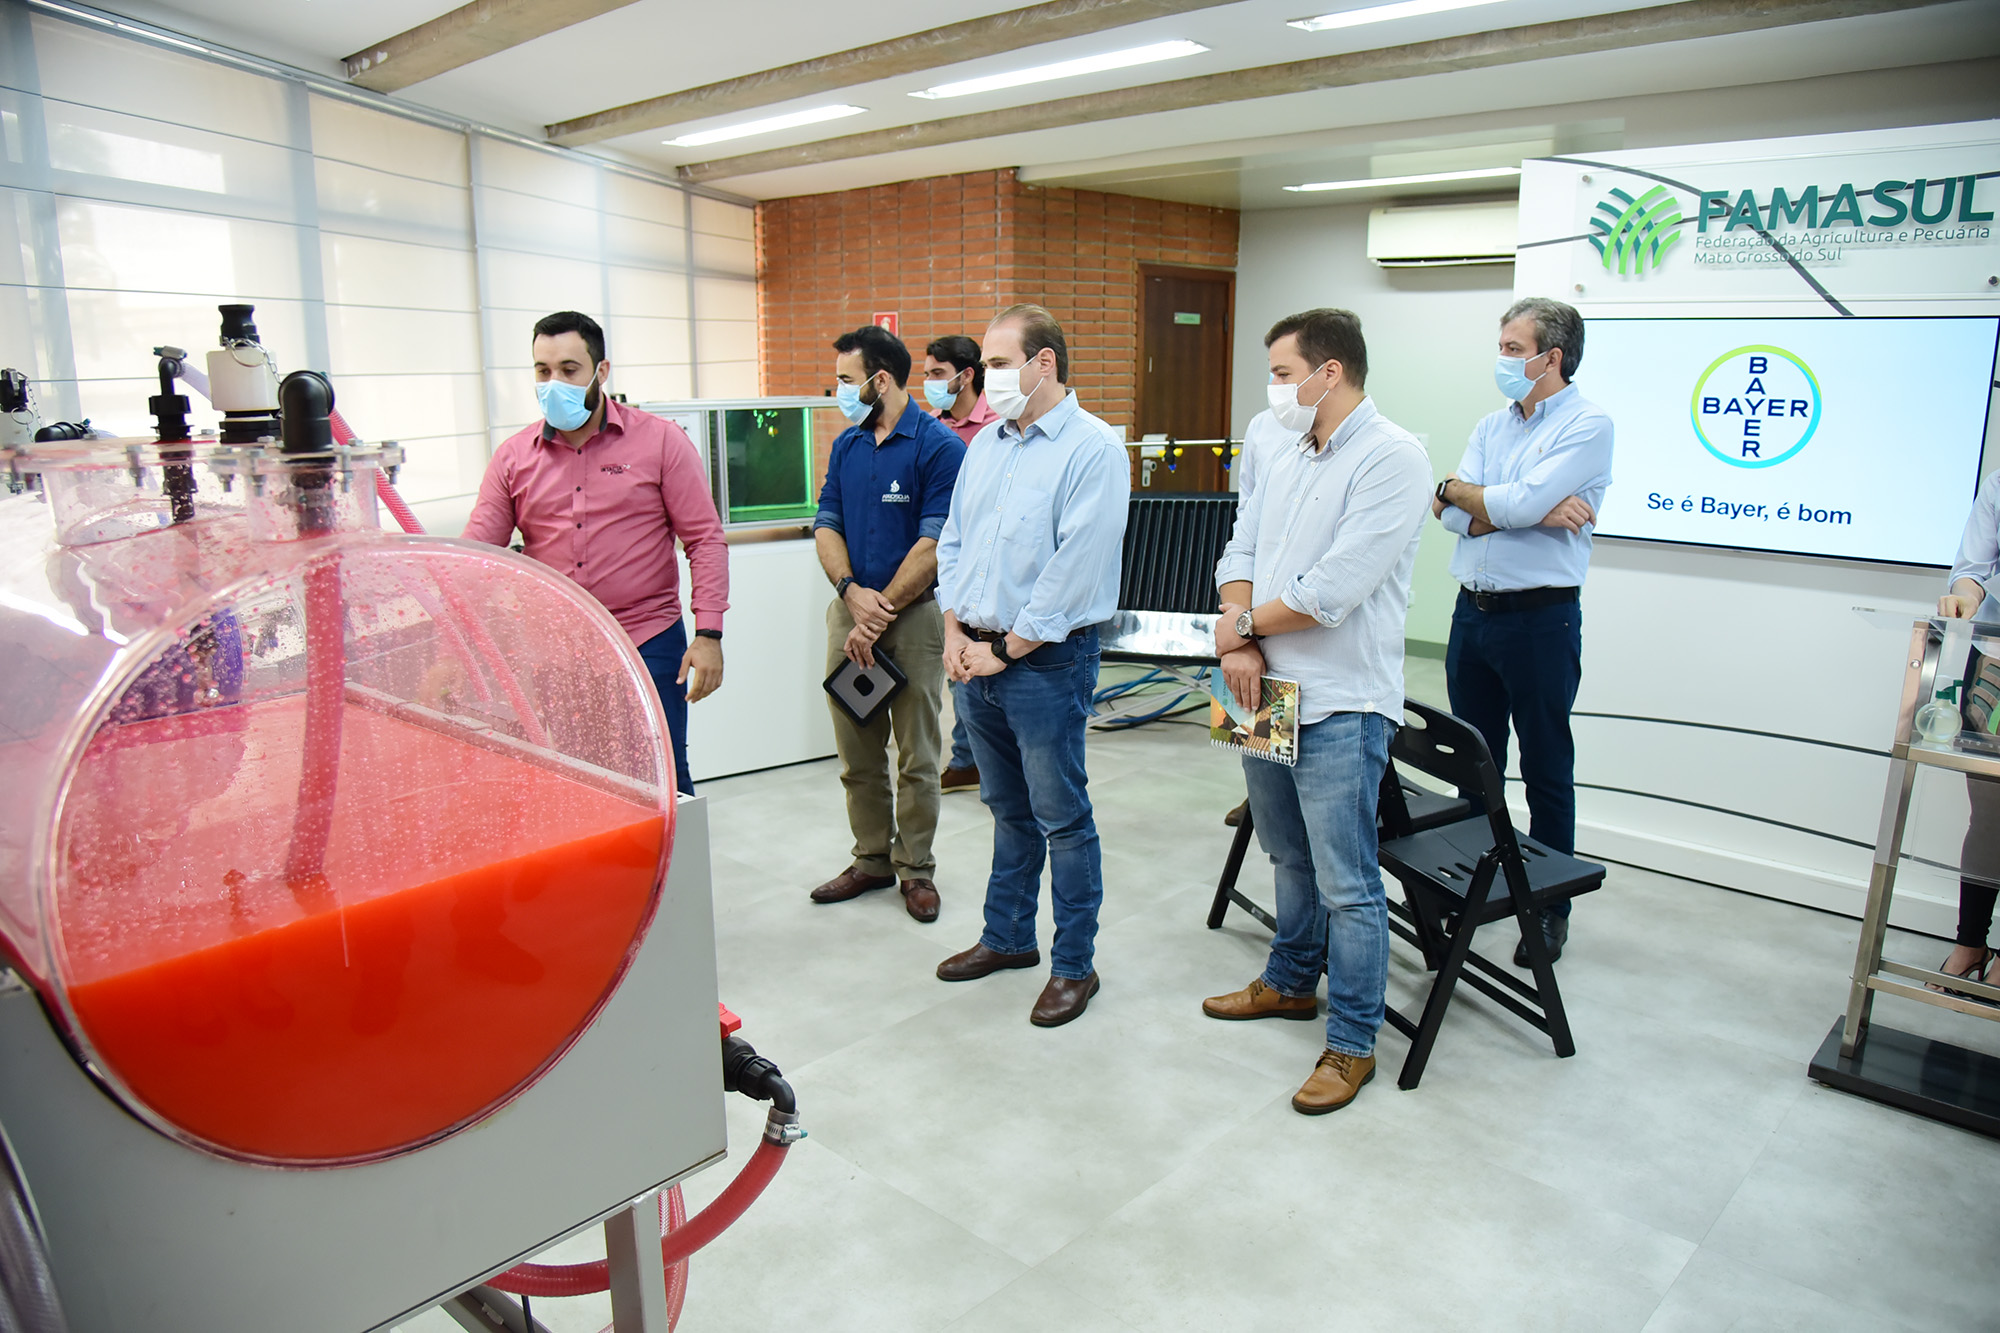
pixel 850 883
pixel 1334 1082
pixel 1257 1000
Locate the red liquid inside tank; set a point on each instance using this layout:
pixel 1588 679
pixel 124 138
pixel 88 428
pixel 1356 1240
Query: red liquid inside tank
pixel 475 910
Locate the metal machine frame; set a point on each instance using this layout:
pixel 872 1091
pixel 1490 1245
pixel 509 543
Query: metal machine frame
pixel 1930 1077
pixel 146 1233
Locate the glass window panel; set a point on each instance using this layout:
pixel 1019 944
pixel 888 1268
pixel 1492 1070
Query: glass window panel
pixel 631 197
pixel 724 254
pixel 654 244
pixel 434 468
pixel 727 340
pixel 655 384
pixel 510 401
pixel 509 166
pixel 365 271
pixel 639 291
pixel 542 283
pixel 17 225
pixel 729 379
pixel 720 219
pixel 538 226
pixel 366 202
pixel 162 250
pixel 375 340
pixel 411 407
pixel 114 332
pixel 93 68
pixel 509 336
pixel 646 341
pixel 18 344
pixel 725 298
pixel 388 142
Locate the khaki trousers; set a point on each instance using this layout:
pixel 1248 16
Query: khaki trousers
pixel 894 829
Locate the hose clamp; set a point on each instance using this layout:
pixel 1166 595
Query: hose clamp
pixel 783 1128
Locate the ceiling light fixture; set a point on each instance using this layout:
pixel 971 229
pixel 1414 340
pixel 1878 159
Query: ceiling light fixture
pixel 1067 69
pixel 1404 9
pixel 768 125
pixel 1428 178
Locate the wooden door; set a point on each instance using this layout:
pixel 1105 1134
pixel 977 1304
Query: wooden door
pixel 1184 352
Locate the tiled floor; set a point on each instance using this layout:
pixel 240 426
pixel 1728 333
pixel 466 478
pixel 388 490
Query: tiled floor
pixel 1141 1169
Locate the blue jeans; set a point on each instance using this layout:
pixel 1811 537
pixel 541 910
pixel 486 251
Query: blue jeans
pixel 1524 667
pixel 961 739
pixel 662 655
pixel 1027 728
pixel 1317 823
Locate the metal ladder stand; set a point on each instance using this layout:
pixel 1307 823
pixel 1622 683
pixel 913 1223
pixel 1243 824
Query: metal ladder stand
pixel 1927 1076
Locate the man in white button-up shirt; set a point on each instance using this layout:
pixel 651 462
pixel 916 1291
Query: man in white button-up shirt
pixel 1315 586
pixel 1523 503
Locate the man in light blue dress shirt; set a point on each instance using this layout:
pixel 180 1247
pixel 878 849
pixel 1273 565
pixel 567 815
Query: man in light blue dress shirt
pixel 1315 587
pixel 1524 502
pixel 1028 567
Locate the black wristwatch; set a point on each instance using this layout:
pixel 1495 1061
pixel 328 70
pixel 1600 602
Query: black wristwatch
pixel 1440 491
pixel 715 634
pixel 840 588
pixel 999 647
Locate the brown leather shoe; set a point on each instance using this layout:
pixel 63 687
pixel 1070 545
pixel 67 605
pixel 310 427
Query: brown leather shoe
pixel 958 779
pixel 1335 1080
pixel 1063 1000
pixel 850 883
pixel 1257 1000
pixel 1235 817
pixel 980 961
pixel 921 897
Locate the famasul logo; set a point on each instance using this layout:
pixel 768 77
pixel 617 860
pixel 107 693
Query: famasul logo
pixel 1755 406
pixel 1635 234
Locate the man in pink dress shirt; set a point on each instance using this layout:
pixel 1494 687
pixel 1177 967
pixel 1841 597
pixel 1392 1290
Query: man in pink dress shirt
pixel 955 390
pixel 599 492
pixel 955 386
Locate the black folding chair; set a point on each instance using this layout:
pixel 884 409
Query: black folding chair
pixel 1448 874
pixel 1403 807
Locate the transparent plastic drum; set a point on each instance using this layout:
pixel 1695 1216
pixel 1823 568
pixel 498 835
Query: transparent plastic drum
pixel 343 841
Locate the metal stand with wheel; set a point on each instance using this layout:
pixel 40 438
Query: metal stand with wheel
pixel 1929 1077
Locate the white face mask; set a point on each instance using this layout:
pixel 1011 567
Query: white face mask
pixel 1004 395
pixel 1292 414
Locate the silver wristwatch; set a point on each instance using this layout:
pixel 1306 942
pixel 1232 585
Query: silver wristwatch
pixel 1245 627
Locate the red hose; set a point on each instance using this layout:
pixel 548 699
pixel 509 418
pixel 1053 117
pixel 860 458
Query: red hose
pixel 675 1247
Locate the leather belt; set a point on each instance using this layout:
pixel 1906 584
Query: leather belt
pixel 999 635
pixel 1528 599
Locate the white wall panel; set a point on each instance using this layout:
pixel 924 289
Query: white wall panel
pixel 352 133
pixel 92 68
pixel 365 271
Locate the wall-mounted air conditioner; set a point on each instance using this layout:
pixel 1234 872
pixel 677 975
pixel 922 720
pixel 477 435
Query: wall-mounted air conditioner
pixel 1443 235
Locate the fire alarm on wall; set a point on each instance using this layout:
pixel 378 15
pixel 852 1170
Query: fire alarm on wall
pixel 886 319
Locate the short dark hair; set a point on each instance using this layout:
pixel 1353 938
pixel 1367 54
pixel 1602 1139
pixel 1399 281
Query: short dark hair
pixel 961 354
pixel 1556 325
pixel 1038 330
pixel 571 321
pixel 880 350
pixel 1327 335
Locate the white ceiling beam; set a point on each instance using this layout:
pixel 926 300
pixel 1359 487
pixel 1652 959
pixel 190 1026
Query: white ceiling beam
pixel 470 32
pixel 996 34
pixel 1538 41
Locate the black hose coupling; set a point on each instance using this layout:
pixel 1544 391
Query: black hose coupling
pixel 745 1071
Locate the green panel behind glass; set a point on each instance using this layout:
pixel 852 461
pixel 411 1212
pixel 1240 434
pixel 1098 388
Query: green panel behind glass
pixel 770 463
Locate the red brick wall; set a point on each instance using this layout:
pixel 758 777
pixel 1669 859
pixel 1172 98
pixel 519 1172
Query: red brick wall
pixel 950 252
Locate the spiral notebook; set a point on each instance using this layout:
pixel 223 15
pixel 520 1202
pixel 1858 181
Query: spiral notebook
pixel 1272 732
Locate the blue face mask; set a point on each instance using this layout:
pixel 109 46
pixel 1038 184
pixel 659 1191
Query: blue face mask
pixel 1510 373
pixel 851 406
pixel 939 394
pixel 564 406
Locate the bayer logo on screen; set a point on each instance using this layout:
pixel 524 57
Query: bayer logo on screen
pixel 1756 406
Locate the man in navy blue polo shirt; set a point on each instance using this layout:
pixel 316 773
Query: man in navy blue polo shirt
pixel 888 490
